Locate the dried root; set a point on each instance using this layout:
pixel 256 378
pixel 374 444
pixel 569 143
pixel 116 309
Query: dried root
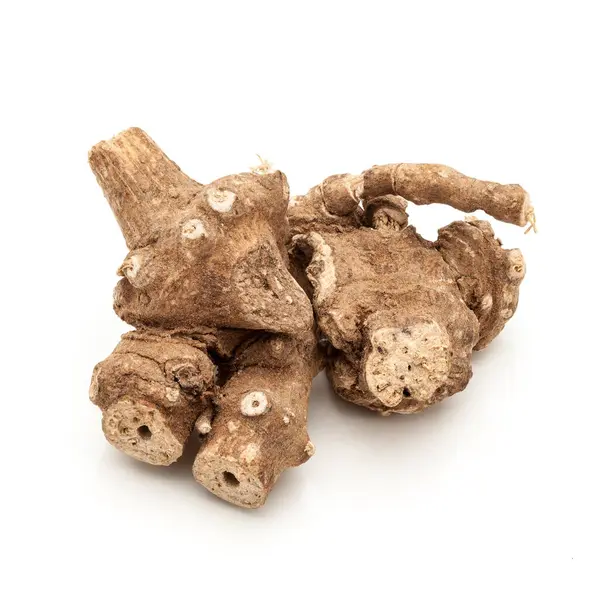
pixel 260 424
pixel 226 344
pixel 200 254
pixel 402 315
pixel 389 305
pixel 340 195
pixel 427 184
pixel 488 276
pixel 151 390
pixel 207 275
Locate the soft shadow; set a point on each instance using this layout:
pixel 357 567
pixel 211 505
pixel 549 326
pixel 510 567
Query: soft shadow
pixel 339 430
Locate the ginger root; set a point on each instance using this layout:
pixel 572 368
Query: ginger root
pixel 402 315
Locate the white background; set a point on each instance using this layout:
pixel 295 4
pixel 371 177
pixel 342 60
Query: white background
pixel 492 494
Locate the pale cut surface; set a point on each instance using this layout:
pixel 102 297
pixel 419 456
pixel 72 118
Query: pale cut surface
pixel 401 315
pixel 139 429
pixel 151 390
pixel 230 481
pixel 259 429
pixel 207 275
pixel 407 365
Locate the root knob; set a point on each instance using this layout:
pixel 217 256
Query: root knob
pixel 254 404
pixel 193 229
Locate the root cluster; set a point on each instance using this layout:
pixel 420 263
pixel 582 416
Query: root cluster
pixel 230 285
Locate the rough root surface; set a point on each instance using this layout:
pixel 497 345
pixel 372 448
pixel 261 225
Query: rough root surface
pixel 141 430
pixel 226 345
pixel 400 315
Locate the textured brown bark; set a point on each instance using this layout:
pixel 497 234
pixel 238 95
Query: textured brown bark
pixel 259 429
pixel 142 185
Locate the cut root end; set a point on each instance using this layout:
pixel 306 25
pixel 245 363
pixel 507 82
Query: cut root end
pixel 407 365
pixel 229 481
pixel 140 430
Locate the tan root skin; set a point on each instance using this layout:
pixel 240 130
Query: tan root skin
pixel 226 345
pixel 151 390
pixel 206 275
pixel 402 315
pixel 199 254
pixel 260 425
pixel 488 276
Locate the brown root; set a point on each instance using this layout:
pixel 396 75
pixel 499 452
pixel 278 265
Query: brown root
pixel 336 202
pixel 151 389
pixel 389 306
pixel 487 275
pixel 386 212
pixel 427 184
pixel 227 344
pixel 331 205
pixel 142 185
pixel 260 425
pixel 431 308
pixel 200 255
